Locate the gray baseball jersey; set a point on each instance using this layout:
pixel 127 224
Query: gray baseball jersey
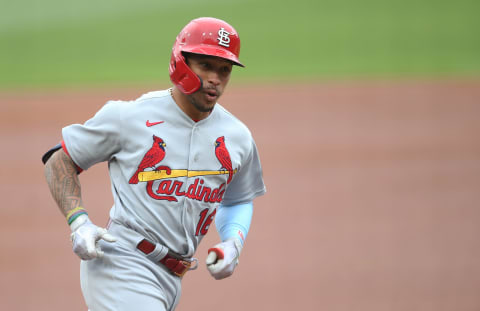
pixel 168 172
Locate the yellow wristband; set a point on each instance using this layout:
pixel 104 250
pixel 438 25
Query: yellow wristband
pixel 73 211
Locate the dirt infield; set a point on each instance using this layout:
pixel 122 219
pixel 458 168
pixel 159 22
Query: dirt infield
pixel 372 204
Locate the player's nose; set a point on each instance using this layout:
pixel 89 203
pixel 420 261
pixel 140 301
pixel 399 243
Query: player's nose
pixel 214 78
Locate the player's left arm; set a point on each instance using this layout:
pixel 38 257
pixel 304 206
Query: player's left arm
pixel 234 215
pixel 233 223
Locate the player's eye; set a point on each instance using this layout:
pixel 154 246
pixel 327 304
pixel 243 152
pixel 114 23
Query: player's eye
pixel 227 69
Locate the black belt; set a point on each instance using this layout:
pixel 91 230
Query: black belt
pixel 173 262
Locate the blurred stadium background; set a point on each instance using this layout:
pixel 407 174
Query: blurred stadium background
pixel 64 43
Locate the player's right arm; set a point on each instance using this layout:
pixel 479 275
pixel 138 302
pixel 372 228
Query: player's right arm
pixel 62 179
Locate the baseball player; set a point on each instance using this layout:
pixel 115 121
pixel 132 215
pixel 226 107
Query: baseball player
pixel 177 160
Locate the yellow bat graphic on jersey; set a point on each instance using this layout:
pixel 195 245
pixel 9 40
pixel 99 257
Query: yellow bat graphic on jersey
pixel 162 174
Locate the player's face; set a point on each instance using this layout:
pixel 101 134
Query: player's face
pixel 215 74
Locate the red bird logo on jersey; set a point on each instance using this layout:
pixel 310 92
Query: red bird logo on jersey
pixel 151 158
pixel 223 157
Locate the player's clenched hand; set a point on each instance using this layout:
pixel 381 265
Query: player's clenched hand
pixel 223 258
pixel 85 236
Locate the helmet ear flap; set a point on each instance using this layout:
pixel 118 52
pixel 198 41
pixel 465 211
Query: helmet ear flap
pixel 182 76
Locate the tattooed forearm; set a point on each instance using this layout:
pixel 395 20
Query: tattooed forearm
pixel 63 182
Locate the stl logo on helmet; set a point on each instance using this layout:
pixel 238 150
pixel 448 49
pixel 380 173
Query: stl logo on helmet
pixel 223 38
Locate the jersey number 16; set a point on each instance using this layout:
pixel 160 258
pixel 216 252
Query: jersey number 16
pixel 204 222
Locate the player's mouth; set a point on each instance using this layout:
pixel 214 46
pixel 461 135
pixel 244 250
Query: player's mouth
pixel 211 94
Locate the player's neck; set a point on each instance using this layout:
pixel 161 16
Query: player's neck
pixel 183 102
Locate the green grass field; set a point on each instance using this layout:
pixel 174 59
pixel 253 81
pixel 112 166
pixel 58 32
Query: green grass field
pixel 61 43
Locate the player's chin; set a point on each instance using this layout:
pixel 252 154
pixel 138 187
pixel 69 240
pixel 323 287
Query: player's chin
pixel 209 107
pixel 205 106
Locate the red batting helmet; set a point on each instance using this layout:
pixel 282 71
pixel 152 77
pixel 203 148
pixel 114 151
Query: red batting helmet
pixel 206 36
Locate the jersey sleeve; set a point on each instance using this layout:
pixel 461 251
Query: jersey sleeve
pixel 248 183
pixel 97 139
